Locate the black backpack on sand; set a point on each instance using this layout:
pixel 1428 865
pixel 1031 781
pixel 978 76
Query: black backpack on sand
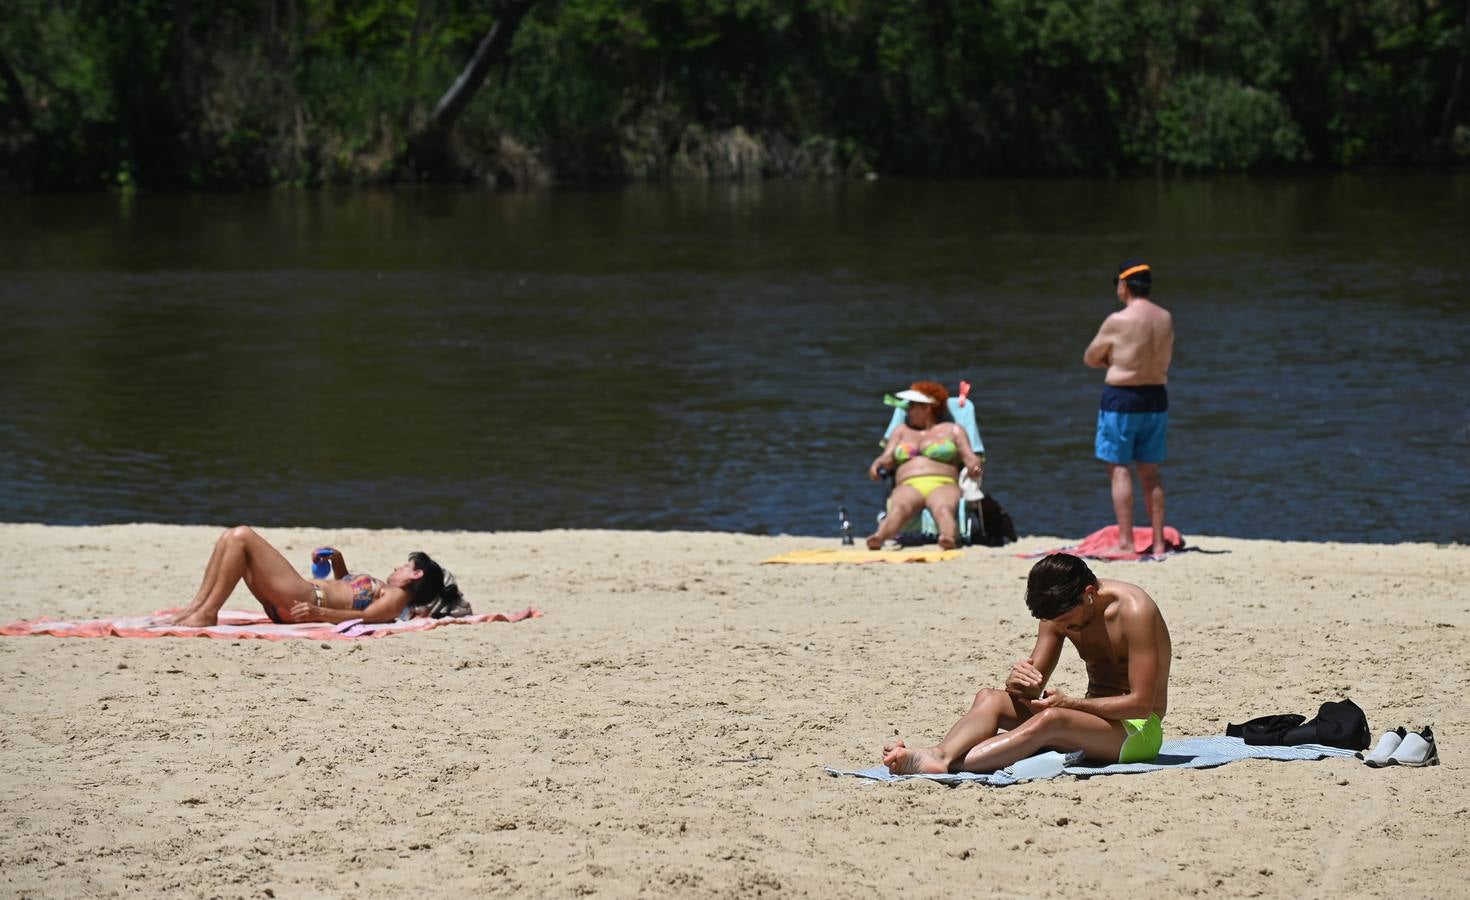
pixel 992 526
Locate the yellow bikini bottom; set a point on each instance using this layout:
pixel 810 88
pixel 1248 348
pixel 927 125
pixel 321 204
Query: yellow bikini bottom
pixel 928 484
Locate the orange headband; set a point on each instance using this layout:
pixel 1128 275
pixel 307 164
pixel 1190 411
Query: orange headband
pixel 1133 271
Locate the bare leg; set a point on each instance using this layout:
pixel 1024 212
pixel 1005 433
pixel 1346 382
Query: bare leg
pixel 211 572
pixel 1153 497
pixel 903 503
pixel 991 711
pixel 944 505
pixel 1123 505
pixel 244 555
pixel 1062 729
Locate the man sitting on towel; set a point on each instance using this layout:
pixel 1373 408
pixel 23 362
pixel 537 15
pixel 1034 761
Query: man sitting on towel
pixel 1121 636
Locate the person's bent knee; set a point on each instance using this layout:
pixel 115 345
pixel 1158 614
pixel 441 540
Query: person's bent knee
pixel 240 533
pixel 1046 720
pixel 992 697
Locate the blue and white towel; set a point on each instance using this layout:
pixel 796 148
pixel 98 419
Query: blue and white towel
pixel 1189 753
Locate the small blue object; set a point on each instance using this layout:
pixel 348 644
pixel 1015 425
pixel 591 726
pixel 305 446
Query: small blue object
pixel 321 567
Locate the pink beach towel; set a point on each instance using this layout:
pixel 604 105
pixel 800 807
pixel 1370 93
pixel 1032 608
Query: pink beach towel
pixel 237 625
pixel 1103 544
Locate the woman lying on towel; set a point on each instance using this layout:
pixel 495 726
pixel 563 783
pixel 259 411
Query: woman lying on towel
pixel 419 585
pixel 928 451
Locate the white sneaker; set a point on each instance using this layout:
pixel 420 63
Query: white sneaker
pixel 1378 757
pixel 1417 749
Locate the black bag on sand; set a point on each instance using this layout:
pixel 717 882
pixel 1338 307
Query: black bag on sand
pixel 996 527
pixel 1339 723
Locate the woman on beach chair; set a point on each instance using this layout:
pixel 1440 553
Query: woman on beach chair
pixel 419 585
pixel 926 454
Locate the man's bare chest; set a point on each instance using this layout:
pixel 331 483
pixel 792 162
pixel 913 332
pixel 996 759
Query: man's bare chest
pixel 1097 646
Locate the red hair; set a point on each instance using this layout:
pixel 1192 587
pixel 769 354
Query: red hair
pixel 941 398
pixel 933 389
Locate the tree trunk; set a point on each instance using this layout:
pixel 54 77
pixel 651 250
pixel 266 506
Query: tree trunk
pixel 15 93
pixel 428 150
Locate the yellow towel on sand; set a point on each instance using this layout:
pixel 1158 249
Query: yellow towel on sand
pixel 821 557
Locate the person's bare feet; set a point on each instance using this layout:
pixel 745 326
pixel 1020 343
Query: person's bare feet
pixel 1160 548
pixel 904 760
pixel 185 612
pixel 946 543
pixel 875 542
pixel 195 620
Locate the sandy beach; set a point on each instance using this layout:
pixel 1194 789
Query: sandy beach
pixel 662 729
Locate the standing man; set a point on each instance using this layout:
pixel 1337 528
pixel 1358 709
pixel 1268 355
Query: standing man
pixel 1135 345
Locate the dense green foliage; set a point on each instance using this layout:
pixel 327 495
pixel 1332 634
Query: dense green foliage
pixel 194 93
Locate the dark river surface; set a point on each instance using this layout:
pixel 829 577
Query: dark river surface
pixel 714 356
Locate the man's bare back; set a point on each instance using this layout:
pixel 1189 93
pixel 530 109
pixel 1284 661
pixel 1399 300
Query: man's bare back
pixel 1103 646
pixel 1136 344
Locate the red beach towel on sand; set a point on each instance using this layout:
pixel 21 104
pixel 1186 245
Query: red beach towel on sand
pixel 1103 544
pixel 236 625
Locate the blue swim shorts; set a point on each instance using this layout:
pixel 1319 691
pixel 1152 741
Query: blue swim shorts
pixel 1132 423
pixel 1131 437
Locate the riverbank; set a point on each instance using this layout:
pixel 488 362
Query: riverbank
pixel 663 727
pixel 174 97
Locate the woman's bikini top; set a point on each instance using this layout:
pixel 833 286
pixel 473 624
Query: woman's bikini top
pixel 944 451
pixel 363 587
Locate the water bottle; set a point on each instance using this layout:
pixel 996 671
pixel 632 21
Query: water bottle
pixel 1043 765
pixel 845 526
pixel 321 566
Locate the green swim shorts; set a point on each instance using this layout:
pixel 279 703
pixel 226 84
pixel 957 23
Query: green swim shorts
pixel 1145 737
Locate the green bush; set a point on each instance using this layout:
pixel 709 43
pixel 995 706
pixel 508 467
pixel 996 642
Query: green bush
pixel 1211 123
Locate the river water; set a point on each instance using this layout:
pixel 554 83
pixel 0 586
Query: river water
pixel 714 356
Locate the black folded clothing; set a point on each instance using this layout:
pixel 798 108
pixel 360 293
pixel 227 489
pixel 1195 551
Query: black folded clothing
pixel 1266 730
pixel 1339 723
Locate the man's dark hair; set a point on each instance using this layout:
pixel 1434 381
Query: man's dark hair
pixel 1056 584
pixel 1139 283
